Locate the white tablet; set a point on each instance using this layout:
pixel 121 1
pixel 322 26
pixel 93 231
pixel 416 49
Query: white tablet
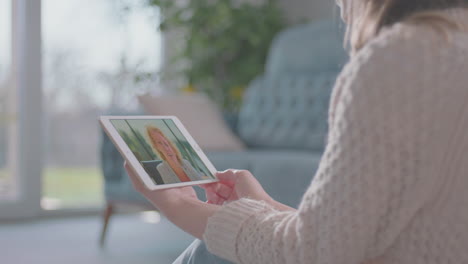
pixel 160 150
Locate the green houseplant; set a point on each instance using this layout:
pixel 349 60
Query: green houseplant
pixel 225 43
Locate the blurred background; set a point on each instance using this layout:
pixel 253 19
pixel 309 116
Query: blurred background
pixel 63 63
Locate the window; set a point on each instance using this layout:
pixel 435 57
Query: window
pixel 7 105
pixel 94 57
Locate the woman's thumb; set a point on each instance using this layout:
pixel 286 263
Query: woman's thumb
pixel 227 176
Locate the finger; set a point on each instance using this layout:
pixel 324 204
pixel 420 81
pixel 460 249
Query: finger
pixel 215 199
pixel 213 192
pixel 128 169
pixel 224 191
pixel 227 177
pixel 208 186
pixel 209 189
pixel 212 197
pixel 218 200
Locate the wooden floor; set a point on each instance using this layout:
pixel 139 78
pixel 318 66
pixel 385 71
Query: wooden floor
pixel 75 240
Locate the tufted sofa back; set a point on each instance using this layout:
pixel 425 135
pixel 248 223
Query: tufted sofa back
pixel 287 107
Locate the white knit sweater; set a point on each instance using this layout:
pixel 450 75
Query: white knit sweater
pixel 392 186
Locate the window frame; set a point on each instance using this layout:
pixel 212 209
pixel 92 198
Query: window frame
pixel 26 82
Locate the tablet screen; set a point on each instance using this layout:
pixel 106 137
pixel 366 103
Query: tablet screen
pixel 162 150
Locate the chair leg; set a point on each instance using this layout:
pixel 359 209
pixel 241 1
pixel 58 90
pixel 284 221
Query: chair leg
pixel 107 214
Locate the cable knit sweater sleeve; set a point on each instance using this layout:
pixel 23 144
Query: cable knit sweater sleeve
pixel 370 182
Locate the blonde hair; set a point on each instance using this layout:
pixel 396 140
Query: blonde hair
pixel 154 145
pixel 369 17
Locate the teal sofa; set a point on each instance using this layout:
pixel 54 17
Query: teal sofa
pixel 283 118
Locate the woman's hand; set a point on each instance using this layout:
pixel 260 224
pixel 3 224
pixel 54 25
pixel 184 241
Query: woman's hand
pixel 164 199
pixel 180 205
pixel 233 185
pixel 236 184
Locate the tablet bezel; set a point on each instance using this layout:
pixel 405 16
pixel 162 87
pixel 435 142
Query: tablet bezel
pixel 128 155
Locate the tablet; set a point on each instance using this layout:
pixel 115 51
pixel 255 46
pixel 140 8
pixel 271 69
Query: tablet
pixel 160 150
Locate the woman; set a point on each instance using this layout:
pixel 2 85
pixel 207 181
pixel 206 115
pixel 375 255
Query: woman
pixel 173 169
pixel 391 186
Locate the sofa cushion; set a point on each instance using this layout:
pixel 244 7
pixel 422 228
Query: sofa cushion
pixel 288 111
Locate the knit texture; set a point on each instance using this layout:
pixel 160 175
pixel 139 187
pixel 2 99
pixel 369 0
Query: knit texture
pixel 392 183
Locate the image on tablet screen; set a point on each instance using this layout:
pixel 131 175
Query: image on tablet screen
pixel 162 150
